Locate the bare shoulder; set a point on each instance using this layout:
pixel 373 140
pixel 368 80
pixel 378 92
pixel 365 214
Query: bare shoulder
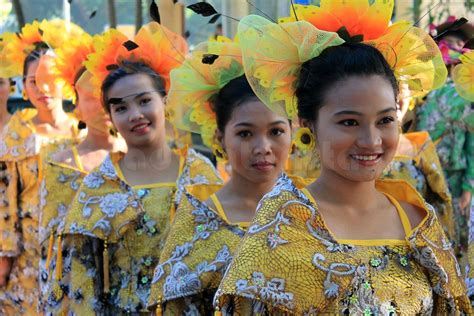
pixel 414 213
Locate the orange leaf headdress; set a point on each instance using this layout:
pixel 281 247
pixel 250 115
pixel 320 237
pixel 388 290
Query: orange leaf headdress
pixel 197 81
pixel 153 45
pixel 52 33
pixel 70 59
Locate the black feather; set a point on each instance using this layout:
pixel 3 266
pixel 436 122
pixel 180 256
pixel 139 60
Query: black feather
pixel 209 59
pixel 130 45
pixel 154 12
pixel 214 18
pixel 203 8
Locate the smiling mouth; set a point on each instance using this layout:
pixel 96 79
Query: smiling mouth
pixel 140 127
pixel 372 157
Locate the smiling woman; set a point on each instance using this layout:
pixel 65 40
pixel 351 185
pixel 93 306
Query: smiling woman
pixel 112 233
pixel 332 247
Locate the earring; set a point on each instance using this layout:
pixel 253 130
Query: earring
pixel 81 125
pixel 304 139
pixel 219 152
pixel 25 96
pixel 113 132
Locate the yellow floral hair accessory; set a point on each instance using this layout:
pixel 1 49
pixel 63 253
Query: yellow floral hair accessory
pixel 53 33
pixel 272 68
pixel 70 59
pixel 273 55
pixel 463 76
pixel 153 45
pixel 194 84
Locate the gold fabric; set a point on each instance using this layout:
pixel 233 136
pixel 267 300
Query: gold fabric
pixel 22 152
pixel 288 263
pixel 59 186
pixel 422 170
pixel 131 222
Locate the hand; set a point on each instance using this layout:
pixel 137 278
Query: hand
pixel 5 268
pixel 465 201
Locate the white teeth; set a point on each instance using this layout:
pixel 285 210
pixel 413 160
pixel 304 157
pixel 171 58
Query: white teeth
pixel 360 157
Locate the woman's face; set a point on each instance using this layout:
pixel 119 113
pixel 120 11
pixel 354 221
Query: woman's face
pixel 89 106
pixel 137 111
pixel 4 90
pixel 257 142
pixel 357 130
pixel 42 93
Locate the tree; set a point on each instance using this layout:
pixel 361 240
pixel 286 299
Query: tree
pixel 138 15
pixel 112 13
pixel 19 13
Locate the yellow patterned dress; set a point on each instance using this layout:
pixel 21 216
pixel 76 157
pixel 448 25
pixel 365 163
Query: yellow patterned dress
pixel 195 255
pixel 112 237
pixel 22 152
pixel 58 188
pixel 289 263
pixel 422 170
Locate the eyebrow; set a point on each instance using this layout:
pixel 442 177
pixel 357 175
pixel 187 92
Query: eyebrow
pixel 115 101
pixel 245 124
pixel 348 112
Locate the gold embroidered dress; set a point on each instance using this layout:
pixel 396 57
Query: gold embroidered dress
pixel 196 253
pixel 58 188
pixel 422 170
pixel 112 236
pixel 22 152
pixel 289 263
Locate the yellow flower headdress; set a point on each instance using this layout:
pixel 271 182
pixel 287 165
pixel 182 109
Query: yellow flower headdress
pixel 153 45
pixel 273 53
pixel 70 59
pixel 463 76
pixel 195 83
pixel 53 33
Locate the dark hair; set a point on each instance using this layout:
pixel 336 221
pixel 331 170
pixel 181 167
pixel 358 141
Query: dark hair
pixel 127 68
pixel 334 64
pixel 78 75
pixel 233 94
pixel 40 49
pixel 455 33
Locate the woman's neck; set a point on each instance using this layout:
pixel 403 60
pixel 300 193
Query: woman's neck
pixel 98 140
pixel 53 117
pixel 338 190
pixel 149 158
pixel 249 192
pixel 4 116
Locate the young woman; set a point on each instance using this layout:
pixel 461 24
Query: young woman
pixel 114 228
pixel 348 243
pixel 64 171
pixel 210 220
pixel 27 133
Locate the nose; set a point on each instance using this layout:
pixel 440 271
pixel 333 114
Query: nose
pixel 134 114
pixel 262 146
pixel 369 138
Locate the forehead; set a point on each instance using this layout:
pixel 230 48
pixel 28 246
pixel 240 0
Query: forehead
pixel 254 112
pixel 365 94
pixel 31 68
pixel 131 84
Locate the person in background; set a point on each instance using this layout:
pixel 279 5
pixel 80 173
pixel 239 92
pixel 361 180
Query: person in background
pixel 30 136
pixel 447 117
